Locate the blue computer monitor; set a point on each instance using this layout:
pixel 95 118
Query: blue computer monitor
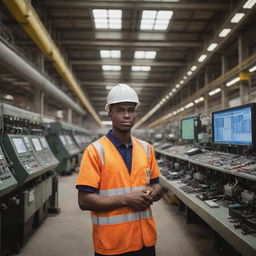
pixel 234 126
pixel 189 128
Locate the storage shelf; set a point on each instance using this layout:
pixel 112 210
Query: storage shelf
pixel 186 158
pixel 217 218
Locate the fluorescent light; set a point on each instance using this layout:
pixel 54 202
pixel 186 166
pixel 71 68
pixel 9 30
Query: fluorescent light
pixel 141 68
pixel 145 68
pixel 202 58
pixel 189 73
pixel 224 32
pixel 237 17
pixel 185 77
pixel 177 86
pixel 181 81
pixel 193 68
pixel 150 54
pixel 115 54
pixel 139 54
pixel 145 54
pixel 189 105
pixel 163 100
pixel 249 4
pixel 107 122
pixel 170 93
pixel 252 69
pixel 199 100
pixel 111 67
pixel 164 15
pixel 107 19
pixel 233 81
pixel 149 14
pixel 155 20
pixel 115 14
pixel 173 90
pixel 167 97
pixel 215 91
pixel 211 47
pixel 100 13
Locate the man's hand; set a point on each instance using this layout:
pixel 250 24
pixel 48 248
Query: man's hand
pixel 138 200
pixel 157 192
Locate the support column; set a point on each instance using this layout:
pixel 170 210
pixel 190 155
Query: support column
pixel 224 97
pixel 38 102
pixel 206 104
pixel 69 116
pixel 244 87
pixel 244 77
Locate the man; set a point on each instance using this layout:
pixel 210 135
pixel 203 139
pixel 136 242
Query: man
pixel 118 181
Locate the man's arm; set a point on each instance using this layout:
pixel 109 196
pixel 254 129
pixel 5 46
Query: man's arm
pixel 137 201
pixel 157 191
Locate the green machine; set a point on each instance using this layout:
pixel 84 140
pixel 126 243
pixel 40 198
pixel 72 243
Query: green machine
pixel 33 164
pixel 82 138
pixel 59 137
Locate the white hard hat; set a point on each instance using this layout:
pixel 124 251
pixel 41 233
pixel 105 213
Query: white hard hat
pixel 122 93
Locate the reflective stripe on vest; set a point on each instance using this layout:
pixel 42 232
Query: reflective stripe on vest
pixel 121 218
pixel 120 191
pixel 100 150
pixel 145 146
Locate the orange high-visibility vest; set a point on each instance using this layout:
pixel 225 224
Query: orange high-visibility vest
pixel 123 229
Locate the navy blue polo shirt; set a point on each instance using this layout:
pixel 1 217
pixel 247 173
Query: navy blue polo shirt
pixel 125 152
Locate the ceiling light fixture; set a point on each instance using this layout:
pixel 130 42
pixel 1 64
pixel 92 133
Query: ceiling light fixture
pixel 237 17
pixel 155 20
pixel 202 58
pixel 249 4
pixel 252 69
pixel 215 91
pixel 224 32
pixel 193 68
pixel 232 82
pixel 199 100
pixel 107 19
pixel 211 47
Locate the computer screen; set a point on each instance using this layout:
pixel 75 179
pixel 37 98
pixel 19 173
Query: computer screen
pixel 19 145
pixel 44 143
pixel 233 126
pixel 63 140
pixel 69 140
pixel 188 129
pixel 37 144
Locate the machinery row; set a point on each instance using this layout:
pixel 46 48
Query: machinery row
pixel 211 169
pixel 33 151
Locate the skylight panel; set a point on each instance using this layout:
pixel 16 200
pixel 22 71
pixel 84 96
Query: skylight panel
pixel 224 32
pixel 155 20
pixel 141 68
pixel 145 54
pixel 237 17
pixel 107 19
pixel 111 67
pixel 115 54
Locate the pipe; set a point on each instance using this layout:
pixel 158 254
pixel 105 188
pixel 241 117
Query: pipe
pixel 20 67
pixel 25 14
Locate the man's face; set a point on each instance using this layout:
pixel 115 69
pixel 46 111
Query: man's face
pixel 123 116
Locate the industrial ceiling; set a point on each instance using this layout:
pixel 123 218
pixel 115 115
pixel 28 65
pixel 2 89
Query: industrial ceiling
pixel 150 45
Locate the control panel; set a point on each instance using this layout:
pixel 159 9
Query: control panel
pixel 7 180
pixel 22 131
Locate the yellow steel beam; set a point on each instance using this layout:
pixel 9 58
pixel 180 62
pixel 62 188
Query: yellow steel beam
pixel 26 15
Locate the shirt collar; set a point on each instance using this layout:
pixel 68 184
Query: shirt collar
pixel 115 141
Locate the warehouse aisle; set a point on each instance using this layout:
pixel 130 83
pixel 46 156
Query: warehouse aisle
pixel 69 233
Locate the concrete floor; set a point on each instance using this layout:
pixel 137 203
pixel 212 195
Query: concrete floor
pixel 69 233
